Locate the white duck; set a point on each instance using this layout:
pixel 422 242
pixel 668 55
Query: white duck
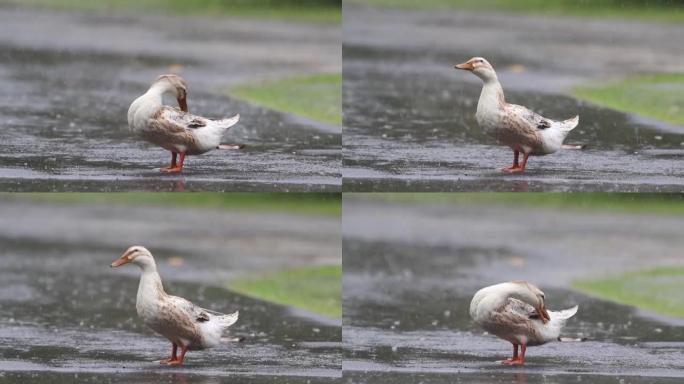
pixel 186 325
pixel 514 125
pixel 516 312
pixel 175 129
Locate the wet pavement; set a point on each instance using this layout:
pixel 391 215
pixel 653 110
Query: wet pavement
pixel 411 270
pixel 65 315
pixel 66 96
pixel 409 115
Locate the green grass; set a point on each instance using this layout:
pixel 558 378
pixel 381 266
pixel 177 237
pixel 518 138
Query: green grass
pixel 659 290
pixel 629 9
pixel 328 204
pixel 659 96
pixel 318 97
pixel 326 11
pixel 656 203
pixel 316 289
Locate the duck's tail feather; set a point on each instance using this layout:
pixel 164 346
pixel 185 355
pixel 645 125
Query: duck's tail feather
pixel 564 314
pixel 551 330
pixel 228 320
pixel 569 124
pixel 227 123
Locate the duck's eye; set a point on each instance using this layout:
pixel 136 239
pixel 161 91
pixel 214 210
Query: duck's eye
pixel 542 296
pixel 480 61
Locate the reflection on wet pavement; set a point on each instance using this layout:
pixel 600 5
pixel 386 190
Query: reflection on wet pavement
pixel 410 117
pixel 66 315
pixel 408 285
pixel 64 108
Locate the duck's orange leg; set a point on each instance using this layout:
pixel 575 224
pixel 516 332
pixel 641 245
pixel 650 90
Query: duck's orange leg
pixel 516 156
pixel 517 360
pixel 179 359
pixel 517 168
pixel 515 355
pixel 173 355
pixel 173 163
pixel 175 168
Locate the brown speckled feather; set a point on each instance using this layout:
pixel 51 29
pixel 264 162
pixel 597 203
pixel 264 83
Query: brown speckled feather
pixel 179 317
pixel 169 127
pixel 518 130
pixel 515 318
pixel 534 119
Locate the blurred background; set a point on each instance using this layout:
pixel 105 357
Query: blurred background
pixel 66 315
pixel 71 73
pixel 410 116
pixel 412 263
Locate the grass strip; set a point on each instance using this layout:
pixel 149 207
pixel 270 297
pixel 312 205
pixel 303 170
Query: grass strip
pixel 317 97
pixel 319 11
pixel 315 289
pixel 658 10
pixel 660 290
pixel 646 203
pixel 658 96
pixel 327 204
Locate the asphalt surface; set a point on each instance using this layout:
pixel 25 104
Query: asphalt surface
pixel 66 316
pixel 66 96
pixel 411 270
pixel 410 116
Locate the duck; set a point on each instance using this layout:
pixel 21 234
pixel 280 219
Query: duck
pixel 516 312
pixel 184 324
pixel 515 126
pixel 175 129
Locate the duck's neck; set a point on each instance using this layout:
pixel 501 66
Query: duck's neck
pixel 492 93
pixel 495 296
pixel 155 93
pixel 150 288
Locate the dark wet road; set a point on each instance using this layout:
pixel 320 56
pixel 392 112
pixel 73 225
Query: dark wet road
pixel 411 270
pixel 66 96
pixel 64 314
pixel 409 115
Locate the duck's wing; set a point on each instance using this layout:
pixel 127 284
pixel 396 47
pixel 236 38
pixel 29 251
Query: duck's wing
pixel 526 116
pixel 514 317
pixel 520 309
pixel 172 126
pixel 191 311
pixel 184 119
pixel 175 120
pixel 202 315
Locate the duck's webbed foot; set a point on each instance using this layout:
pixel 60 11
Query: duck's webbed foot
pixel 179 359
pixel 175 167
pixel 513 169
pixel 513 362
pixel 517 167
pixel 173 355
pixel 516 359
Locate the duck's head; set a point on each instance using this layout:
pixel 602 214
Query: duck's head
pixel 533 296
pixel 174 85
pixel 479 67
pixel 137 255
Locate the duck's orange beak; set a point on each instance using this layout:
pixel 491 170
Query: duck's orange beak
pixel 543 313
pixel 124 259
pixel 468 66
pixel 183 103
